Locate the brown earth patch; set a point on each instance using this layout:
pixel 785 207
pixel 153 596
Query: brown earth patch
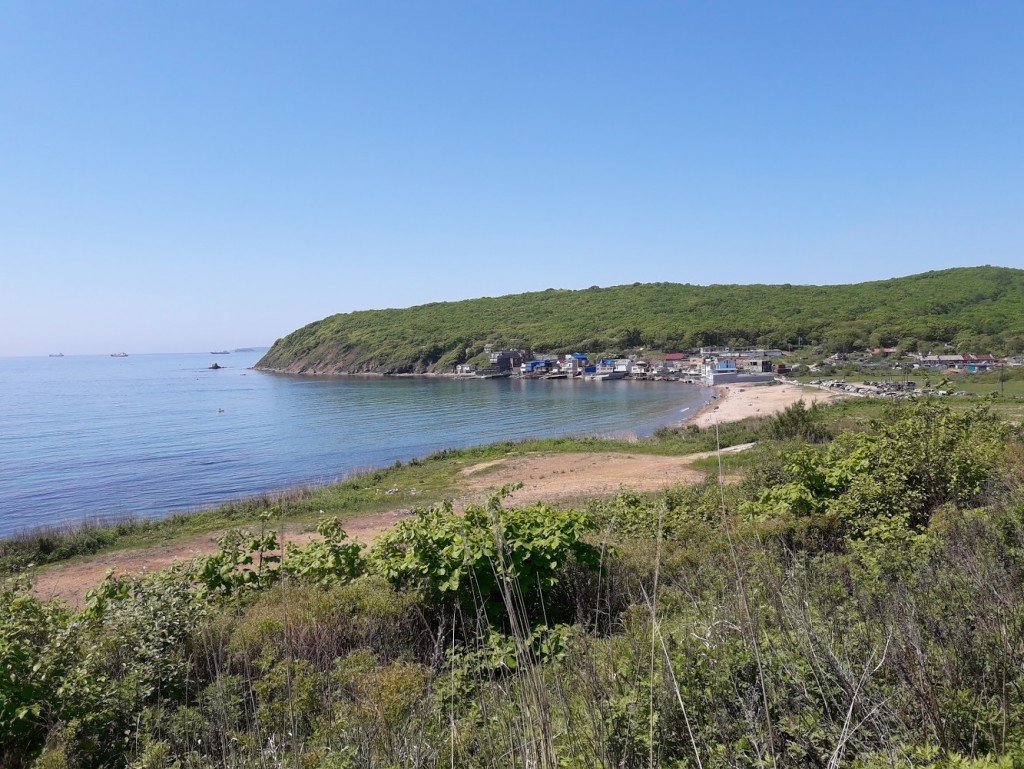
pixel 567 477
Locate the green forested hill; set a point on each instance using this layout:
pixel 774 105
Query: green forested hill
pixel 980 309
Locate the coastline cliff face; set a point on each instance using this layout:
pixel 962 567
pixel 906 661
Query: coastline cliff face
pixel 980 308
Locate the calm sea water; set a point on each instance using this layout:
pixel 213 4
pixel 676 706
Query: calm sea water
pixel 93 436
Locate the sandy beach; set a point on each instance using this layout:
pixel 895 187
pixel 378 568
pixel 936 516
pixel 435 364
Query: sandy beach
pixel 739 401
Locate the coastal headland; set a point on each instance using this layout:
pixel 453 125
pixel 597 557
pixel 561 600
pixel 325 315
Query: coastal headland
pixel 929 307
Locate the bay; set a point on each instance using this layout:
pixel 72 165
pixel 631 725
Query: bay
pixel 86 437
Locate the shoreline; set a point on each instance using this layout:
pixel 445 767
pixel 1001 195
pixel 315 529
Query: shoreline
pixel 548 474
pixel 724 405
pixel 728 403
pixel 632 427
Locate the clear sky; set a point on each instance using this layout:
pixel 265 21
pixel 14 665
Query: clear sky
pixel 184 176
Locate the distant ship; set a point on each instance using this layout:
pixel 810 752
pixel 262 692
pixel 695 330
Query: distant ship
pixel 220 352
pixel 118 355
pixel 56 355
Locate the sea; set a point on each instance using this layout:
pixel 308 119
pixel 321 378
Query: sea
pixel 85 438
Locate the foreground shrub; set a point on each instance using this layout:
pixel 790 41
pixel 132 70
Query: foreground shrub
pixel 320 624
pixel 798 422
pixel 492 557
pixel 889 480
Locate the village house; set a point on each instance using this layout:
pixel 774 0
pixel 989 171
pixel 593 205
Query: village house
pixel 976 363
pixel 756 365
pixel 624 366
pixel 675 362
pixel 723 369
pixel 574 364
pixel 943 361
pixel 506 360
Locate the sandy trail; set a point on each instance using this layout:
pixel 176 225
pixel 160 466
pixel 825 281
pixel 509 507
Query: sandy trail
pixel 737 402
pixel 569 477
pixel 545 477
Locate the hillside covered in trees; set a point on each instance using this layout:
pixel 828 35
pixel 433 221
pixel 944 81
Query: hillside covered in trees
pixel 980 309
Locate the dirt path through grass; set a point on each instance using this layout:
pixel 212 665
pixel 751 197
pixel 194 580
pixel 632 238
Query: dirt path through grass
pixel 545 477
pixel 70 581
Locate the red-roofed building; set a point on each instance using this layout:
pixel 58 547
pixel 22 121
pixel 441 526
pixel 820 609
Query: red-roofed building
pixel 675 362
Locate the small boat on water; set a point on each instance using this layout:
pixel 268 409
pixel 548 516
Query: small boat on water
pixel 56 355
pixel 216 366
pixel 555 375
pixel 220 352
pixel 118 355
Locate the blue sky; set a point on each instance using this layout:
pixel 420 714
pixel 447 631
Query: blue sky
pixel 190 176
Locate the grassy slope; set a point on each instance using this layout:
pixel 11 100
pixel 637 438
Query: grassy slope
pixel 853 615
pixel 982 307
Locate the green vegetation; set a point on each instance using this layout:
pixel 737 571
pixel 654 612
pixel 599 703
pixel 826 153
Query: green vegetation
pixel 420 482
pixel 1004 388
pixel 978 309
pixel 855 599
pixel 1008 383
pixel 427 481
